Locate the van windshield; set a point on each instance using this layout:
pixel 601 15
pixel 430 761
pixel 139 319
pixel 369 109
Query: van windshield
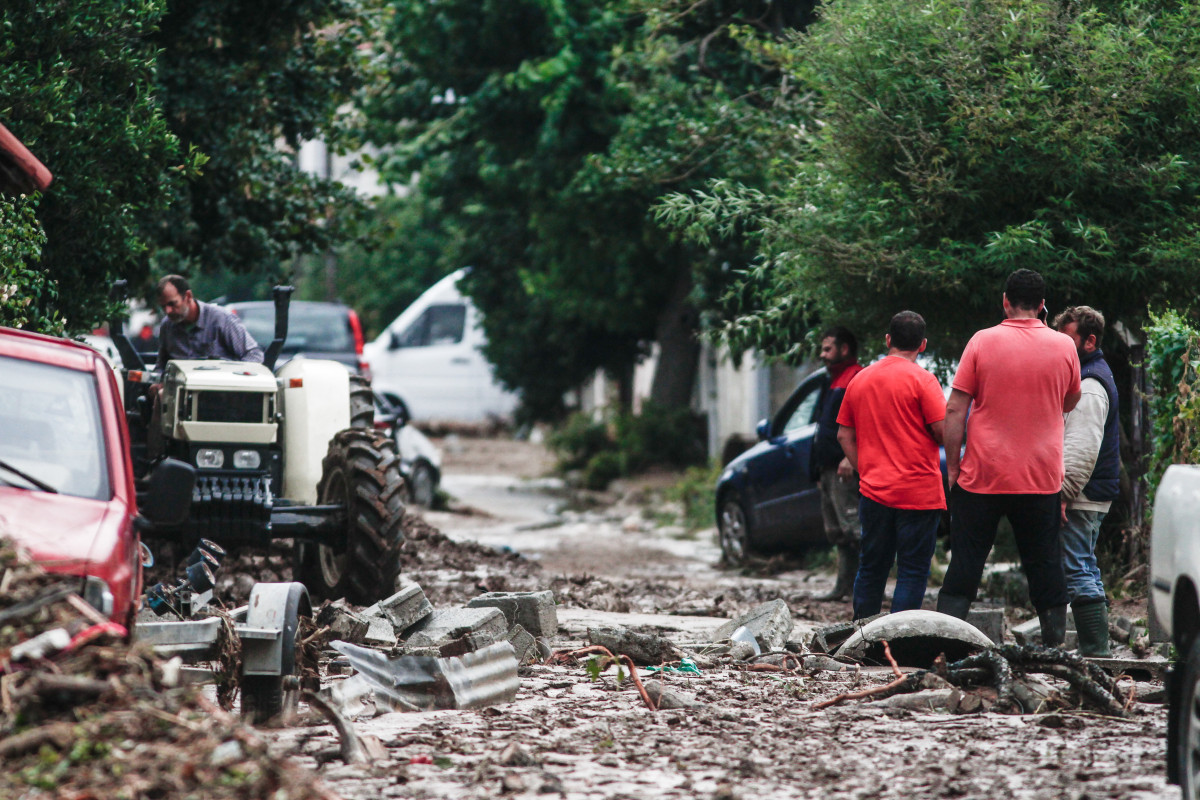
pixel 50 428
pixel 311 328
pixel 437 325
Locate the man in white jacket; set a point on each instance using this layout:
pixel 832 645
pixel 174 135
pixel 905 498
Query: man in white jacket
pixel 1092 462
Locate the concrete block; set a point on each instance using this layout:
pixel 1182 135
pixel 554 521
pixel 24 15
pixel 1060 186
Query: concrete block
pixel 771 623
pixel 645 649
pixel 990 622
pixel 445 625
pixel 343 623
pixel 533 611
pixel 406 607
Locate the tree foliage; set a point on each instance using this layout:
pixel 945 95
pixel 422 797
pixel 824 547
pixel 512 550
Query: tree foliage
pixel 547 130
pixel 959 141
pixel 77 87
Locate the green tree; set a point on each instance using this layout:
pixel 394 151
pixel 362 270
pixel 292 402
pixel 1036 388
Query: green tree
pixel 959 141
pixel 77 87
pixel 547 136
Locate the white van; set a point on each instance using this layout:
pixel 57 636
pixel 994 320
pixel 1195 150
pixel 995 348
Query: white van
pixel 430 358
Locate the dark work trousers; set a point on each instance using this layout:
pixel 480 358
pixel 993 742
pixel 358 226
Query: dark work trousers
pixel 1034 519
pixel 903 536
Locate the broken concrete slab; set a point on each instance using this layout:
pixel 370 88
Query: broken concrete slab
pixel 990 621
pixel 533 611
pixel 380 633
pixel 667 698
pixel 445 625
pixel 406 607
pixel 644 649
pixel 915 639
pixel 343 623
pixel 828 638
pixel 524 644
pixel 770 623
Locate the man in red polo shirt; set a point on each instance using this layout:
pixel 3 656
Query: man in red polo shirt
pixel 891 425
pixel 1018 379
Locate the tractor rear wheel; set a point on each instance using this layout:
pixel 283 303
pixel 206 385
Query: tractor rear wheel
pixel 362 473
pixel 362 403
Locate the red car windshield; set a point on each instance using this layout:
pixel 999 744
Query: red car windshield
pixel 50 429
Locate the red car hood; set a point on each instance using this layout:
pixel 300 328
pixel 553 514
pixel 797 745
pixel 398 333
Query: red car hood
pixel 62 533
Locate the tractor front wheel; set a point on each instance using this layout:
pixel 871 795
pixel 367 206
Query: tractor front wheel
pixel 362 473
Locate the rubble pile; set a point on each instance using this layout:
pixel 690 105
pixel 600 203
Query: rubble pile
pixel 84 714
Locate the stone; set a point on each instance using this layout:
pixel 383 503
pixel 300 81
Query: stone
pixel 343 623
pixel 445 625
pixel 524 644
pixel 829 638
pixel 406 607
pixel 770 623
pixel 989 620
pixel 665 698
pixel 533 611
pixel 645 649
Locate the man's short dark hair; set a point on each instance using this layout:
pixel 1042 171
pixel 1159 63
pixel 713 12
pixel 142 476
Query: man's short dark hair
pixel 907 331
pixel 842 336
pixel 1088 322
pixel 178 281
pixel 1025 289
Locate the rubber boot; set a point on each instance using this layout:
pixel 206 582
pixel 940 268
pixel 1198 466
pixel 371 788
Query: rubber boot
pixel 1091 623
pixel 847 569
pixel 1054 626
pixel 953 604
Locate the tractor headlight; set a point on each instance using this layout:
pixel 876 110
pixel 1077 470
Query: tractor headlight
pixel 210 458
pixel 98 595
pixel 246 459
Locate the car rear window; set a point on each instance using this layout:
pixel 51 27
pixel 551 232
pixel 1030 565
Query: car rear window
pixel 50 428
pixel 315 328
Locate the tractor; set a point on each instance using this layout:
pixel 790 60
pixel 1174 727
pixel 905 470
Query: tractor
pixel 279 454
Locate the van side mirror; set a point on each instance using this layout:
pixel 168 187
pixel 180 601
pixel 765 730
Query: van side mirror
pixel 168 497
pixel 394 341
pixel 763 430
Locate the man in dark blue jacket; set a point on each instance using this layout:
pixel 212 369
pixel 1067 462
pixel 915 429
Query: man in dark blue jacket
pixel 1092 469
pixel 828 465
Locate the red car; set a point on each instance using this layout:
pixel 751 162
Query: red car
pixel 66 481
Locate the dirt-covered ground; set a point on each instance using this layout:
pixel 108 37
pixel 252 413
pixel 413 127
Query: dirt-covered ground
pixel 750 735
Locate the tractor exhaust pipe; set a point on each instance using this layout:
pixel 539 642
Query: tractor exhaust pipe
pixel 130 357
pixel 283 298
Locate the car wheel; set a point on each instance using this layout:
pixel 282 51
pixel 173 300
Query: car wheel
pixel 423 483
pixel 1188 718
pixel 734 527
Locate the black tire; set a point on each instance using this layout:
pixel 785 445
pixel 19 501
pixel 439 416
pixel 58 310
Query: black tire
pixel 262 695
pixel 362 404
pixel 733 526
pixel 362 472
pixel 1187 754
pixel 423 484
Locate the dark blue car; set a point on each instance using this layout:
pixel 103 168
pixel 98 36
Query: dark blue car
pixel 766 501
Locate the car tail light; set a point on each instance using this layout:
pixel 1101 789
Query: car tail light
pixel 356 327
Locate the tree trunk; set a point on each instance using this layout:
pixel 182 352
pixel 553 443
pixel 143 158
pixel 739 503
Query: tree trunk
pixel 679 347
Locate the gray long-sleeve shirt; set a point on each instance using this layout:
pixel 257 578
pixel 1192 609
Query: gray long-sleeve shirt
pixel 1082 438
pixel 215 334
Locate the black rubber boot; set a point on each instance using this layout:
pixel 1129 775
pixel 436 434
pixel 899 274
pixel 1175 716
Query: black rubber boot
pixel 847 570
pixel 953 604
pixel 1054 626
pixel 1091 623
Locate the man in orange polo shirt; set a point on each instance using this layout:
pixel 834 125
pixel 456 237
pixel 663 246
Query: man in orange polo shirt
pixel 1018 379
pixel 890 427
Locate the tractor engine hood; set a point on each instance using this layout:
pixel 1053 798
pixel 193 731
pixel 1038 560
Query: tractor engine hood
pixel 219 401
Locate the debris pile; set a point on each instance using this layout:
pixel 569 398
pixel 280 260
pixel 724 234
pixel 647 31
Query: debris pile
pixel 84 714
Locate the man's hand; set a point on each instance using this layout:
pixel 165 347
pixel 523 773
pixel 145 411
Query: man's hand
pixel 845 469
pixel 951 475
pixel 1064 512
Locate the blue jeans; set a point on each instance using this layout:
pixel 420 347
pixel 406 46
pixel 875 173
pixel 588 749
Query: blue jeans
pixel 1079 534
pixel 903 536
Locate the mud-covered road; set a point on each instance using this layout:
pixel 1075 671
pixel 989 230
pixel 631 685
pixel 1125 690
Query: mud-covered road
pixel 750 734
